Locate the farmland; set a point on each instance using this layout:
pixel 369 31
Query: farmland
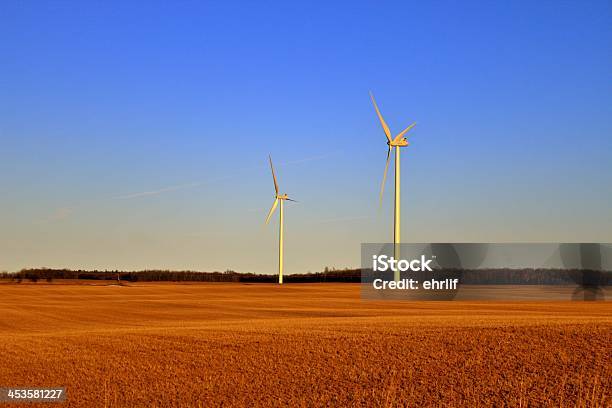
pixel 162 344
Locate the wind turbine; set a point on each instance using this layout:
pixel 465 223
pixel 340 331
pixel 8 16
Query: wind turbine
pixel 396 142
pixel 278 197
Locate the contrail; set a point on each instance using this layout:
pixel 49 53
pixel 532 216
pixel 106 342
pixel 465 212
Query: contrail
pixel 159 191
pixel 66 211
pixel 198 184
pixel 308 159
pixel 339 219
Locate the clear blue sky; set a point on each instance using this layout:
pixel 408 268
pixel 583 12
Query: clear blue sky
pixel 136 135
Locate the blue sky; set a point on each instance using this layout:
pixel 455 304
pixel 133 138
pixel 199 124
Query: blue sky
pixel 136 135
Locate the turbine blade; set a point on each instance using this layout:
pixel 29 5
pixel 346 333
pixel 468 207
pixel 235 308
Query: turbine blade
pixel 382 121
pixel 382 186
pixel 272 210
pixel 273 175
pixel 402 133
pixel 289 199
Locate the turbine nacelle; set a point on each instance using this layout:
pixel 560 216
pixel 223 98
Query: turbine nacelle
pixel 400 143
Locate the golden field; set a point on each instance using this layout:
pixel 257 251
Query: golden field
pixel 146 345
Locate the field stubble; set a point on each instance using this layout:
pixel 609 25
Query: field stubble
pixel 299 345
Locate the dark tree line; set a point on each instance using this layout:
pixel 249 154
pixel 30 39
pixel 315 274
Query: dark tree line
pixel 480 276
pixel 48 274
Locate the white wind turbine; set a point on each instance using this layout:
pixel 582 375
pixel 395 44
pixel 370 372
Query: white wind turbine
pixel 278 198
pixel 395 142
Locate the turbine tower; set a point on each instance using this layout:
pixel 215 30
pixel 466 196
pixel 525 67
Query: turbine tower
pixel 278 197
pixel 396 142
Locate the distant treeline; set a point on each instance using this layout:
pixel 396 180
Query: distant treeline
pixel 481 277
pixel 47 274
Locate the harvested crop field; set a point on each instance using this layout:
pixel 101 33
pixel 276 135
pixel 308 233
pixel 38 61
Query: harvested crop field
pixel 148 345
